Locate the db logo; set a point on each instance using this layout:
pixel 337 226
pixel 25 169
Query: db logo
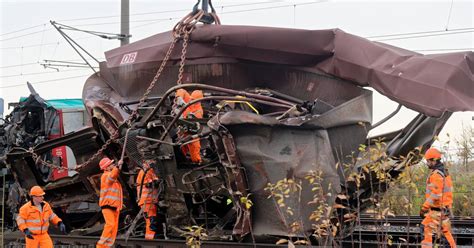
pixel 128 58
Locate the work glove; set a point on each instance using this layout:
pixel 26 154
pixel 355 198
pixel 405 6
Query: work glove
pixel 423 212
pixel 28 233
pixel 62 227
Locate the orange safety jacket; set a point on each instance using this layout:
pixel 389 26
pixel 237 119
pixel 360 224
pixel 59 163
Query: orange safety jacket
pixel 35 220
pixel 148 195
pixel 196 109
pixel 184 95
pixel 439 190
pixel 111 189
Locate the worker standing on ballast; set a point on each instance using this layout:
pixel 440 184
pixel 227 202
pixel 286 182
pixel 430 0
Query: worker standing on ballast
pixel 147 193
pixel 33 220
pixel 437 207
pixel 110 201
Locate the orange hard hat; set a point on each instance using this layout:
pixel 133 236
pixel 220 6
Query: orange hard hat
pixel 36 191
pixel 197 94
pixel 105 162
pixel 184 94
pixel 432 153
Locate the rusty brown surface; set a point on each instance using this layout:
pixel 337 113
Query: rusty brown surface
pixel 431 84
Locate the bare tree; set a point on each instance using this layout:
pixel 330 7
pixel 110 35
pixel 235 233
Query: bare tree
pixel 465 144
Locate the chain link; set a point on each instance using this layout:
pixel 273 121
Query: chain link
pixel 183 58
pixel 182 29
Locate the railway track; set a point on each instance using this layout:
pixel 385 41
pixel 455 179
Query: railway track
pixel 405 229
pixel 465 222
pixel 16 239
pixel 370 233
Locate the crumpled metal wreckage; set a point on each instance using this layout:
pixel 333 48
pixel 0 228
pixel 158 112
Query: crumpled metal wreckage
pixel 278 103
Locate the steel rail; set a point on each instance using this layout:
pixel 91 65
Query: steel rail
pixel 139 242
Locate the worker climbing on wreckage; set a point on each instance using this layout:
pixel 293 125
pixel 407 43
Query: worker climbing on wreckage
pixel 110 201
pixel 437 207
pixel 33 220
pixel 194 111
pixel 147 192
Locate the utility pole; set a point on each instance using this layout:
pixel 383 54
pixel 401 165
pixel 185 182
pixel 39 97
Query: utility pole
pixel 125 22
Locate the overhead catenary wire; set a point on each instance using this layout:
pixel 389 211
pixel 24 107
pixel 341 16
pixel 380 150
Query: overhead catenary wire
pixel 231 12
pixel 425 35
pixel 18 65
pixel 23 35
pixel 432 33
pixel 45 81
pixel 39 73
pixel 134 14
pixel 170 11
pixel 167 11
pixel 23 29
pixel 37 63
pixel 42 40
pixel 449 15
pixel 275 7
pixel 444 49
pixel 416 33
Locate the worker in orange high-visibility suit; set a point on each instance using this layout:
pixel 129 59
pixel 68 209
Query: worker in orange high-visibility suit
pixel 33 220
pixel 182 97
pixel 147 193
pixel 110 201
pixel 193 111
pixel 439 201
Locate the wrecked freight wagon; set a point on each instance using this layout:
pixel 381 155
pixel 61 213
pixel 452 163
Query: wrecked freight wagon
pixel 36 123
pixel 277 103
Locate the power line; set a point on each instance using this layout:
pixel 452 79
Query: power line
pixel 151 23
pixel 427 35
pixel 445 49
pixel 37 73
pixel 80 25
pixel 163 11
pixel 275 7
pixel 449 15
pixel 46 44
pixel 46 81
pixel 415 33
pixel 134 14
pixel 18 65
pixel 37 63
pixel 16 31
pixel 20 36
pixel 172 18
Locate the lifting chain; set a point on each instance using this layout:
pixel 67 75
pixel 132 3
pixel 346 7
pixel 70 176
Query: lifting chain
pixel 182 29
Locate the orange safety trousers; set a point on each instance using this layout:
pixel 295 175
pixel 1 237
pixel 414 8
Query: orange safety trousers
pixel 39 241
pixel 436 222
pixel 109 233
pixel 194 149
pixel 150 211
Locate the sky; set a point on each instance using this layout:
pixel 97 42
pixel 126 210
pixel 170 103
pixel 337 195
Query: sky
pixel 27 38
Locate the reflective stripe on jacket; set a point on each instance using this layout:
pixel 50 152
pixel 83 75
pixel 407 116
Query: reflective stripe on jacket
pixel 439 191
pixel 35 220
pixel 149 195
pixel 111 189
